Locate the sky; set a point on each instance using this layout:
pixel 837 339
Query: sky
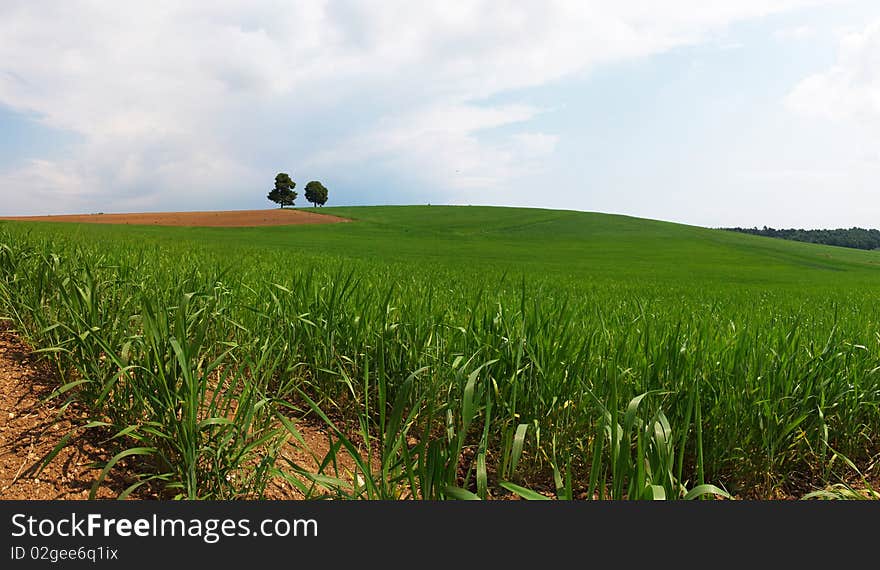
pixel 705 112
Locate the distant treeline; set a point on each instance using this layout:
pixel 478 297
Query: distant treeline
pixel 858 238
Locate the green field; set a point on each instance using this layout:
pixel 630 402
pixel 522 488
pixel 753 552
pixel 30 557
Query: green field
pixel 474 350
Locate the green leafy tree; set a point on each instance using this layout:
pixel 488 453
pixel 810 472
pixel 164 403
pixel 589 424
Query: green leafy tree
pixel 316 193
pixel 283 193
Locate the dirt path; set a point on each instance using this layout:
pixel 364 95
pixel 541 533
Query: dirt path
pixel 227 219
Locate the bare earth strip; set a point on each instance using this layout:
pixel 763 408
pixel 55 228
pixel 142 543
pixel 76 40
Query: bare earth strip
pixel 224 219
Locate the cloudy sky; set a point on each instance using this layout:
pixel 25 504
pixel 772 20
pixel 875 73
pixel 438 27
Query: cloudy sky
pixel 708 112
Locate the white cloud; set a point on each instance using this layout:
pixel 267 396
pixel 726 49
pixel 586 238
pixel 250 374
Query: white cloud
pixel 440 142
pixel 798 33
pixel 850 90
pixel 42 186
pixel 176 102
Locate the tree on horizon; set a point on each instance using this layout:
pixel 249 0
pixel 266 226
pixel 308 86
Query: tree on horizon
pixel 316 193
pixel 283 193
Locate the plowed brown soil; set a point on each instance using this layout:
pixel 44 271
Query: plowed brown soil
pixel 226 219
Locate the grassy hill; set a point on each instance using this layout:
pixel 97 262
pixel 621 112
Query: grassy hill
pixel 593 245
pixel 469 346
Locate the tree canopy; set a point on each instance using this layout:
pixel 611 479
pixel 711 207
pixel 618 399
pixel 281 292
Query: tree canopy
pixel 316 193
pixel 858 238
pixel 283 193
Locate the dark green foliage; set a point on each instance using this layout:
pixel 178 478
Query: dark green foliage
pixel 857 238
pixel 316 193
pixel 283 193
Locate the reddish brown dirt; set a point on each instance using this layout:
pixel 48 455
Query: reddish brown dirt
pixel 31 427
pixel 317 445
pixel 228 219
